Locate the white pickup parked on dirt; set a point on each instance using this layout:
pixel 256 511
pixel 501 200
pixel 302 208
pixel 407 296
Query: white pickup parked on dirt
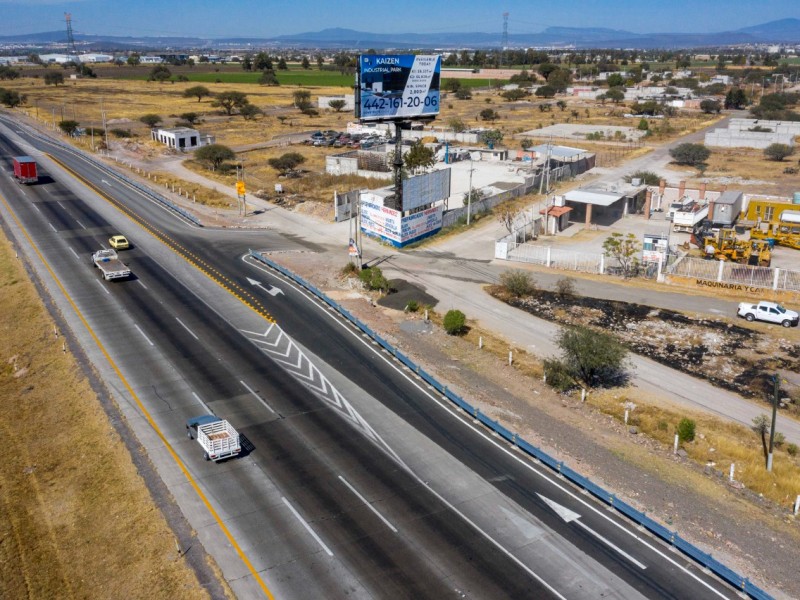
pixel 772 312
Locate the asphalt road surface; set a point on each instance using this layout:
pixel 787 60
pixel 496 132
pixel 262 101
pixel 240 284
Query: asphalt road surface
pixel 356 480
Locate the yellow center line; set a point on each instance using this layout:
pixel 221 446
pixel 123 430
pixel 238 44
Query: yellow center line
pixel 141 406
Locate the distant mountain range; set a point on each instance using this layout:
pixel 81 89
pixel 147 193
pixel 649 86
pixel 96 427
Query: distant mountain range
pixel 775 32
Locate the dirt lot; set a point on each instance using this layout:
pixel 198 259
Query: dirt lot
pixel 76 518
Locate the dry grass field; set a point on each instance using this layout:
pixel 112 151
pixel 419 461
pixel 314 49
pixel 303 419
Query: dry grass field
pixel 76 520
pixel 748 170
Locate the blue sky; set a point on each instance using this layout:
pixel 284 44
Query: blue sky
pixel 267 18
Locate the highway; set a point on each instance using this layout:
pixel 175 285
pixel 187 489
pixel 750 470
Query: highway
pixel 357 481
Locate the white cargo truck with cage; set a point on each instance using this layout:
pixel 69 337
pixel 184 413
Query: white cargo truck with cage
pixel 217 437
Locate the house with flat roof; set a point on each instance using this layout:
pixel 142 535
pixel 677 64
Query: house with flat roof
pixel 181 138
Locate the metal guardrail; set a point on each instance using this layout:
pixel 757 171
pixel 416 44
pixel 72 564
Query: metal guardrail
pixel 670 537
pixel 119 176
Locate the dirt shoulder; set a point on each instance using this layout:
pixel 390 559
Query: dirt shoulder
pixel 82 512
pixel 755 538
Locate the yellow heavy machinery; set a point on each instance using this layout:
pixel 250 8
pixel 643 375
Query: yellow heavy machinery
pixel 723 244
pixel 785 232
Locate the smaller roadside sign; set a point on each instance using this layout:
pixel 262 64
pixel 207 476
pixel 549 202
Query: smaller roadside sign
pixel 240 188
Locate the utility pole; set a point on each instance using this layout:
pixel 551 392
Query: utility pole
pixel 469 194
pixel 776 380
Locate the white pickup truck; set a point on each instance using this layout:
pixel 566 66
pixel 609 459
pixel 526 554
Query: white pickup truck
pixel 217 437
pixel 110 265
pixel 772 312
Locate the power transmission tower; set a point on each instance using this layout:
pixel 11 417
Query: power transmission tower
pixel 70 37
pixel 505 38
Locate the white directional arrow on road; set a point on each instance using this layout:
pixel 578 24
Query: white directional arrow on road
pixel 571 516
pixel 272 291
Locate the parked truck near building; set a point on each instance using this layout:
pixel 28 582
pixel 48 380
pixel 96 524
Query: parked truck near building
pixel 25 169
pixel 687 218
pixel 771 312
pixel 217 437
pixel 110 265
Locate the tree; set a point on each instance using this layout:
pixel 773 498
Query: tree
pixel 11 98
pixel 268 77
pixel 247 63
pixel 616 95
pixel 134 60
pixel 454 322
pixel 197 91
pixel 735 98
pixel 419 157
pixel 305 63
pixel 159 73
pixel 693 155
pixel 463 93
pixel 545 91
pixel 508 218
pixel 262 62
pixel 625 250
pixel 7 72
pixel 337 104
pixel 488 114
pixel 515 94
pixel 615 80
pixel 778 152
pixel 457 125
pixel 491 137
pixel 250 111
pixel 561 105
pixel 452 85
pixel 287 163
pixel 214 154
pixel 710 106
pixel 230 101
pixel 559 80
pixel 151 120
pixel 594 357
pixel 190 117
pixel 282 66
pixel 302 99
pixel 68 127
pixel 320 61
pixel 53 78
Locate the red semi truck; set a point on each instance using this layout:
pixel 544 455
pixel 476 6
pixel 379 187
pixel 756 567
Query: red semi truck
pixel 25 169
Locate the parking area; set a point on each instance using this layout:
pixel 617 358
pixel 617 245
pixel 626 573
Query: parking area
pixel 338 139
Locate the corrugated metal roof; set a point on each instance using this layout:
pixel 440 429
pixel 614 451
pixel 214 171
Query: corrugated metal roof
pixel 729 197
pixel 558 151
pixel 597 198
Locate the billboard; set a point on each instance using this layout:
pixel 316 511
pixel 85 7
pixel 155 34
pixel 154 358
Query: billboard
pixel 426 189
pixel 389 224
pixel 391 86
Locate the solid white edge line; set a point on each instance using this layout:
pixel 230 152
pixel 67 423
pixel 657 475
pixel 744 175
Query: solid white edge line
pixel 36 208
pixel 307 526
pixel 102 286
pixel 436 494
pixel 143 335
pixel 367 504
pixel 455 413
pixel 259 398
pixel 203 403
pixel 81 224
pixel 187 329
pixel 53 228
pixel 610 544
pixel 73 251
pixel 139 281
pixel 61 205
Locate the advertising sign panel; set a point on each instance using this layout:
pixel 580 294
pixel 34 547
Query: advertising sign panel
pixel 426 189
pixel 389 225
pixel 397 86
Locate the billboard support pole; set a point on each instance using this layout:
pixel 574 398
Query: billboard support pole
pixel 398 166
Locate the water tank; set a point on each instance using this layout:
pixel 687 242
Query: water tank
pixel 796 198
pixel 636 182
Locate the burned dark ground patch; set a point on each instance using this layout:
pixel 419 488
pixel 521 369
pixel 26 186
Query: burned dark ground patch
pixel 728 355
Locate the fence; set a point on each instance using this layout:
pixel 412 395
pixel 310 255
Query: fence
pixel 728 274
pixel 670 537
pixel 558 259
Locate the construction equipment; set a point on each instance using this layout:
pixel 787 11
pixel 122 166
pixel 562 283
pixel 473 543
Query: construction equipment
pixel 786 232
pixel 722 244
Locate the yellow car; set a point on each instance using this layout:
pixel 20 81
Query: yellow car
pixel 119 242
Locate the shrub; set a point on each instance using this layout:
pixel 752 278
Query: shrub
pixel 412 306
pixel 792 449
pixel 373 278
pixel 558 375
pixel 686 429
pixel 778 152
pixel 121 133
pixel 594 357
pixel 349 269
pixel 519 283
pixel 779 439
pixel 454 322
pixel 566 287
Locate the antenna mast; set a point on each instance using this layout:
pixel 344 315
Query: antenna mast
pixel 70 37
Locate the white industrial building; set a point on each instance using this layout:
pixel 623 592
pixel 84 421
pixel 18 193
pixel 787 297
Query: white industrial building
pixel 95 58
pixel 181 138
